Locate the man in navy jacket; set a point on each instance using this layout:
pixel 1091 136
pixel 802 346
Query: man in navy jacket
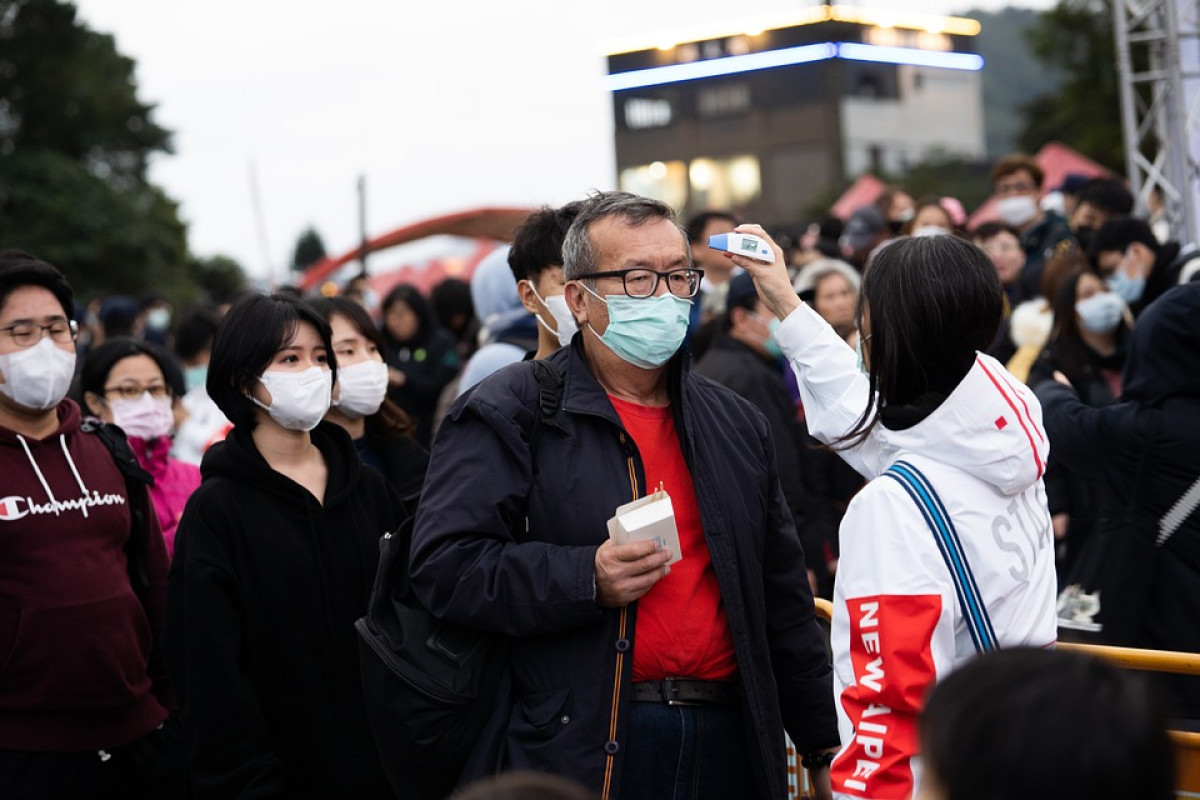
pixel 630 674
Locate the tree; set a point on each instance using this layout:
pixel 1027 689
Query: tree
pixel 219 278
pixel 75 142
pixel 1076 37
pixel 309 249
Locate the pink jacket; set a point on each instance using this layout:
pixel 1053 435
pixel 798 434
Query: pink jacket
pixel 174 482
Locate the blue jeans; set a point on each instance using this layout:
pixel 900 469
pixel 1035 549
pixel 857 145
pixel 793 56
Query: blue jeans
pixel 685 753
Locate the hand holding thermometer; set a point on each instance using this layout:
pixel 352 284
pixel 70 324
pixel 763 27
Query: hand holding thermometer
pixel 743 244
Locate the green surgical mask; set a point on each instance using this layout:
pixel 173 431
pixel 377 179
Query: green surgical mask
pixel 644 332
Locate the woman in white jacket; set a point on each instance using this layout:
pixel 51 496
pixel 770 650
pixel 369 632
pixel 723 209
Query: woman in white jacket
pixel 951 552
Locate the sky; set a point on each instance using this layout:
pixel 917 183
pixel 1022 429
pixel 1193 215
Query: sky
pixel 443 106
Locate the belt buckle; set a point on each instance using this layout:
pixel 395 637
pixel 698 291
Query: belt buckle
pixel 670 692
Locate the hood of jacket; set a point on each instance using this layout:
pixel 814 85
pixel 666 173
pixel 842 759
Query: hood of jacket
pixel 1164 356
pixel 237 459
pixel 69 420
pixel 989 427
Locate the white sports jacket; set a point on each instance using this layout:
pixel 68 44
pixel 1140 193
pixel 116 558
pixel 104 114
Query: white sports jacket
pixel 898 620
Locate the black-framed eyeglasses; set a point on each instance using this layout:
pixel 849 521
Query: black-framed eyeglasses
pixel 641 283
pixel 132 391
pixel 25 334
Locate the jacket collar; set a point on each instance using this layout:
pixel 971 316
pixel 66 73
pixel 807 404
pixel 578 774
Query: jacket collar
pixel 583 394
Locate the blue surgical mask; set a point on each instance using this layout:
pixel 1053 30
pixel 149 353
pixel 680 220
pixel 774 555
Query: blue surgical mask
pixel 1100 313
pixel 861 364
pixel 195 376
pixel 1128 289
pixel 645 332
pixel 772 346
pixel 769 344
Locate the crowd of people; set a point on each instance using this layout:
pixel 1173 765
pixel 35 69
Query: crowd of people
pixel 937 428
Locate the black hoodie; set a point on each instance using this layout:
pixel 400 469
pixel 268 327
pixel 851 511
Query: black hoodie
pixel 261 602
pixel 1156 420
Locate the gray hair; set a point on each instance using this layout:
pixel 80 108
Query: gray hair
pixel 812 274
pixel 579 255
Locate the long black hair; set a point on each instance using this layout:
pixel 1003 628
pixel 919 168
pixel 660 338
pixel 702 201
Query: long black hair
pixel 390 420
pixel 411 297
pixel 928 303
pixel 1071 354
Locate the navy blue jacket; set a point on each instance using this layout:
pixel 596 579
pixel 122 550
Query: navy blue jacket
pixel 507 543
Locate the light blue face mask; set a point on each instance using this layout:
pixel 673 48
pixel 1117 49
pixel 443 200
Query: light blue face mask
pixel 772 346
pixel 195 376
pixel 1100 313
pixel 1128 289
pixel 769 344
pixel 644 332
pixel 861 364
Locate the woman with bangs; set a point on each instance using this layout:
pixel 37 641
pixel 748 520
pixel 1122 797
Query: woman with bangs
pixel 275 557
pixel 383 433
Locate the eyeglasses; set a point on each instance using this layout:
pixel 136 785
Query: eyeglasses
pixel 25 334
pixel 642 283
pixel 1019 187
pixel 132 391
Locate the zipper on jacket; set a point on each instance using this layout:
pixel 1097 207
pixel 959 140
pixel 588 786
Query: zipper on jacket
pixel 622 630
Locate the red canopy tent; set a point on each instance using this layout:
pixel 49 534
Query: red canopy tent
pixel 1057 162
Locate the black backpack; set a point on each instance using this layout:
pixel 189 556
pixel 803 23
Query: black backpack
pixel 431 686
pixel 137 481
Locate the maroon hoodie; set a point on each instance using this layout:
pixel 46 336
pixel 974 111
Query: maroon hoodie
pixel 75 640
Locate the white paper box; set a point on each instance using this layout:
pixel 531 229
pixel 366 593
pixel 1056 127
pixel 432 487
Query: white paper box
pixel 650 518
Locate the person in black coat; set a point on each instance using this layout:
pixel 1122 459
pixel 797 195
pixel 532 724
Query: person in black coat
pixel 274 560
pixel 1145 450
pixel 383 434
pixel 421 357
pixel 511 537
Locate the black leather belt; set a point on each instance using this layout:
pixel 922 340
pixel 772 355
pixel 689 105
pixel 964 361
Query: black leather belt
pixel 682 692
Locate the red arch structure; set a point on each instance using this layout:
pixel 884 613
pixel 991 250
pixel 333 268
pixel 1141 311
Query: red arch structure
pixel 497 224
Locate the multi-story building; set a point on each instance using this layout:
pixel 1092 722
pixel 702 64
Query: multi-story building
pixel 772 117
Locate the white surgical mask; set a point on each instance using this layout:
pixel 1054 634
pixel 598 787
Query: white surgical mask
pixel 564 320
pixel 299 400
pixel 158 318
pixel 38 377
pixel 144 417
pixel 361 388
pixel 1017 209
pixel 1101 313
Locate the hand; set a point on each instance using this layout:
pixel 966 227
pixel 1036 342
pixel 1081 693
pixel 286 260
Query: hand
pixel 822 789
pixel 1061 378
pixel 396 377
pixel 625 572
pixel 1061 523
pixel 771 280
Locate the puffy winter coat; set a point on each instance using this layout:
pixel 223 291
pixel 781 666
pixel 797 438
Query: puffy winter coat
pixel 506 540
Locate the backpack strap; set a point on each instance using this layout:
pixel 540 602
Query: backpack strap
pixel 550 389
pixel 137 480
pixel 918 487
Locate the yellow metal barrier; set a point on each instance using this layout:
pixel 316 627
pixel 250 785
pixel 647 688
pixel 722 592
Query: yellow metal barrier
pixel 1187 744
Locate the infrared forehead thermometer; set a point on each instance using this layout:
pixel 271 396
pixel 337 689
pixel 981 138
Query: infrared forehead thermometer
pixel 743 244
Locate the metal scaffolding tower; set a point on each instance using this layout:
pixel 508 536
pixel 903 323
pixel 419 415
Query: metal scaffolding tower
pixel 1158 61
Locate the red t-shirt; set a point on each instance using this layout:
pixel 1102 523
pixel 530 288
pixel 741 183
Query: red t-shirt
pixel 682 630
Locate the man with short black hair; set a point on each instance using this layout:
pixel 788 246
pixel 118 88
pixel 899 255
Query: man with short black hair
pixel 1098 200
pixel 718 271
pixel 83 694
pixel 1136 266
pixel 1017 189
pixel 616 658
pixel 536 262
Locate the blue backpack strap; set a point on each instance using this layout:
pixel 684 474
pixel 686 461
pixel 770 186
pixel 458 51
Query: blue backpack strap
pixel 932 509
